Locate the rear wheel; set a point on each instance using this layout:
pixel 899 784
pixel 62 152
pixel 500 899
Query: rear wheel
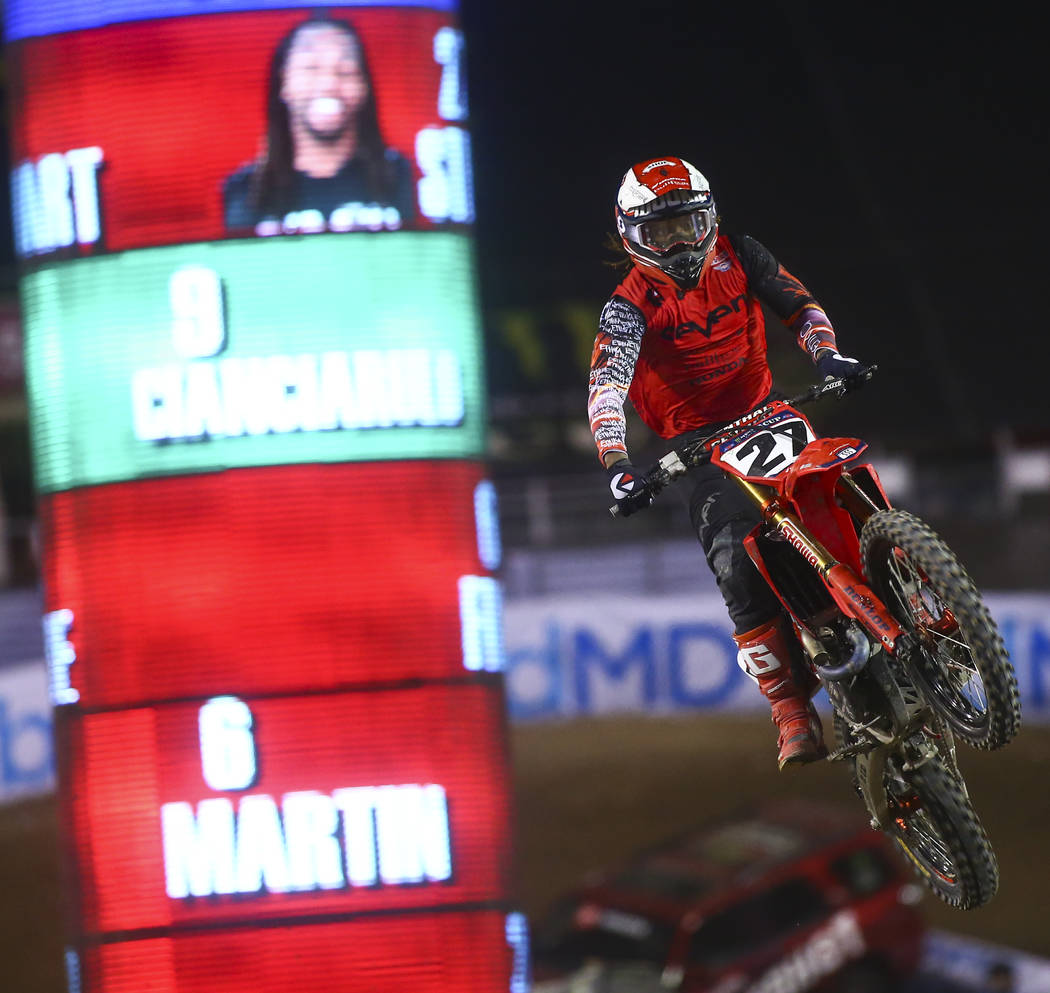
pixel 957 657
pixel 932 821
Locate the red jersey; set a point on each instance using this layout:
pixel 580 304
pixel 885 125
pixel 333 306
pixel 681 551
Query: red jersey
pixel 687 358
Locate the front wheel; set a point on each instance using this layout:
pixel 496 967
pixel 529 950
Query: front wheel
pixel 958 659
pixel 931 819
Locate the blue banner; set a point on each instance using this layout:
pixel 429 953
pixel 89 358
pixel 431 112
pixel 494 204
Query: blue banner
pixel 960 962
pixel 588 655
pixel 27 759
pixel 31 18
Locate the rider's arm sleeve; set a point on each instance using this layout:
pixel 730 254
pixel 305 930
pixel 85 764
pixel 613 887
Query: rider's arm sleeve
pixel 616 347
pixel 785 295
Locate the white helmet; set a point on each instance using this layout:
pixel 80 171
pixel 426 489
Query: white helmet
pixel 666 217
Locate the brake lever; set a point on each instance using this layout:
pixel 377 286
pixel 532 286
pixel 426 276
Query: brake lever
pixel 857 380
pixel 839 386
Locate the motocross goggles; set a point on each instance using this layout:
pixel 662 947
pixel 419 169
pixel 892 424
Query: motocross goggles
pixel 663 234
pixel 679 219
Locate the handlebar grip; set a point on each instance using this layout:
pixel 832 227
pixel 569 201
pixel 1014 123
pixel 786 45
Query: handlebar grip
pixel 652 483
pixel 638 500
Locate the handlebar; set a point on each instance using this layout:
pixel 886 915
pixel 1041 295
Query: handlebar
pixel 679 461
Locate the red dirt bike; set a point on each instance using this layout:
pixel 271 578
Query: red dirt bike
pixel 889 621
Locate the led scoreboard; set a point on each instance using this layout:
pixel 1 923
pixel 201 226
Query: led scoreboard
pixel 272 612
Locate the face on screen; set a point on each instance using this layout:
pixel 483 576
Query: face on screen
pixel 324 85
pixel 378 100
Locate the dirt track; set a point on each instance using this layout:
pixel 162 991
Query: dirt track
pixel 590 793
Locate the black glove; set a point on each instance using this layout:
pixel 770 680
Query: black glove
pixel 831 365
pixel 625 480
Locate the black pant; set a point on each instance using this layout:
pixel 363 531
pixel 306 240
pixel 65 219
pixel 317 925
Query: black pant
pixel 722 516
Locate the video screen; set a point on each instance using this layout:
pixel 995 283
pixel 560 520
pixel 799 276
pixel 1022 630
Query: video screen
pixel 254 369
pixel 291 809
pixel 275 122
pixel 265 580
pixel 199 358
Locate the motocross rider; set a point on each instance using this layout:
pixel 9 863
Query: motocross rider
pixel 683 337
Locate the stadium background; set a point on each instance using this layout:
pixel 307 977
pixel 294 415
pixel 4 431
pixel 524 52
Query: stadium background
pixel 896 165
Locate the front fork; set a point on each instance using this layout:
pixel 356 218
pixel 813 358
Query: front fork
pixel 852 596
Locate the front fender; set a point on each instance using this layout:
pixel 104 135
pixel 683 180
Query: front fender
pixel 809 486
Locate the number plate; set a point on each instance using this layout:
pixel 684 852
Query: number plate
pixel 770 448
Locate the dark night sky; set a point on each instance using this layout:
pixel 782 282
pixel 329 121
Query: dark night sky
pixel 894 158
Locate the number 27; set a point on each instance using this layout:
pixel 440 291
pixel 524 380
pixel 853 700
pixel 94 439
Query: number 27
pixel 768 448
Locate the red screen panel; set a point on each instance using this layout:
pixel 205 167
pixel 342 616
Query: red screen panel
pixel 263 580
pixel 176 105
pixel 353 803
pixel 451 952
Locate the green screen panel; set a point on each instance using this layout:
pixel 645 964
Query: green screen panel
pixel 328 348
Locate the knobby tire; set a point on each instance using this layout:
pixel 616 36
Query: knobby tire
pixel 941 796
pixel 882 534
pixel 933 794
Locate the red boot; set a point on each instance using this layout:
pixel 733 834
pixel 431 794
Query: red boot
pixel 766 655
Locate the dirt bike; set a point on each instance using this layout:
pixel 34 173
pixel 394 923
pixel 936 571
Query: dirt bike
pixel 888 620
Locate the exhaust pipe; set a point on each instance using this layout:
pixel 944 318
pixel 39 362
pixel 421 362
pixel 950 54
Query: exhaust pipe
pixel 860 652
